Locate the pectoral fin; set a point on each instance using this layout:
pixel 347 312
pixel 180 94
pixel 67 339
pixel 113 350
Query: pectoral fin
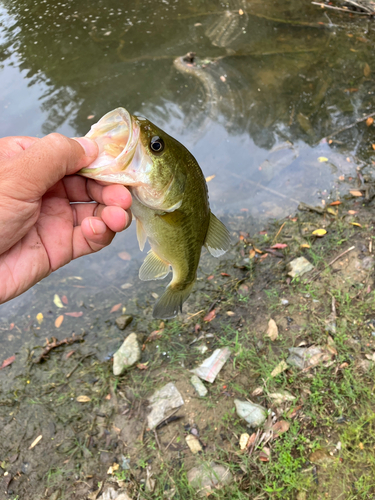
pixel 141 235
pixel 153 268
pixel 217 238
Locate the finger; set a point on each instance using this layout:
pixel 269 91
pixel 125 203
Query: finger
pixel 112 195
pixel 76 188
pixel 115 218
pixel 95 234
pixel 45 162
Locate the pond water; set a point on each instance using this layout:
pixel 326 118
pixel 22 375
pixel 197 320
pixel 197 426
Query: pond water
pixel 278 78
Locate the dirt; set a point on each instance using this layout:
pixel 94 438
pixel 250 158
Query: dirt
pixel 81 441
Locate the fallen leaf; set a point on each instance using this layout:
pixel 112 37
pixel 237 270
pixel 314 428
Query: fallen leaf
pixel 90 117
pixel 210 316
pixel 322 159
pixel 7 362
pixel 124 255
pixel 230 313
pixel 257 250
pixel 223 78
pixel 241 13
pixel 64 299
pixel 244 439
pixel 369 121
pixel 59 320
pixel 115 308
pixel 156 334
pixel 331 211
pixel 83 399
pixel 354 192
pixel 226 275
pixel 155 295
pixel 319 232
pixel 211 277
pixel 11 326
pixel 257 392
pixel 39 318
pixel 279 246
pixel 352 212
pixel 373 146
pixel 305 245
pixel 280 427
pixel 367 70
pixel 57 301
pixel 70 353
pixel 114 467
pixel 75 314
pixel 142 366
pixel 355 224
pixel 252 253
pixel 282 366
pixel 264 456
pixel 334 203
pixel 210 177
pixel 35 442
pixel 272 331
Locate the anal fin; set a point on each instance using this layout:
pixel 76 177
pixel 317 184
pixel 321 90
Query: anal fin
pixel 153 268
pixel 217 239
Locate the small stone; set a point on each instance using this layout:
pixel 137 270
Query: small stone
pixel 128 354
pixel 272 331
pixel 194 444
pixel 284 302
pixel 162 401
pixel 244 439
pixel 199 386
pixel 254 414
pixel 299 266
pixel 202 348
pixel 123 321
pixel 208 476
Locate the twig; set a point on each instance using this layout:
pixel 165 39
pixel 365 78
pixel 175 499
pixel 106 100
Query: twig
pixel 332 262
pixel 171 441
pixel 278 232
pixel 57 343
pixel 157 439
pixel 359 120
pixel 348 11
pixel 79 362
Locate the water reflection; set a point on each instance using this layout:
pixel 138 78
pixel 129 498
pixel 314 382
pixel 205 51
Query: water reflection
pixel 274 79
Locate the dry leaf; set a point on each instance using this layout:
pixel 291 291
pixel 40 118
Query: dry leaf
pixel 226 275
pixel 252 253
pixel 354 192
pixel 331 211
pixel 59 320
pixel 142 366
pixel 64 299
pixel 280 427
pixel 39 318
pixel 115 308
pixel 11 326
pixel 373 146
pixel 322 159
pixel 244 439
pixel 210 316
pixel 83 399
pixel 156 334
pixel 35 442
pixel 210 177
pixel 90 117
pixel 76 314
pixel 319 232
pixel 367 70
pixel 272 331
pixel 257 250
pixel 264 456
pixel 352 212
pixel 124 255
pixel 57 301
pixel 355 224
pixel 282 366
pixel 369 121
pixel 305 245
pixel 279 246
pixel 334 203
pixel 230 313
pixel 241 12
pixel 7 362
pixel 223 78
pixel 211 277
pixel 257 392
pixel 155 295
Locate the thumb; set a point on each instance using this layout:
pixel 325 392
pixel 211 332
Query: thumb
pixel 48 160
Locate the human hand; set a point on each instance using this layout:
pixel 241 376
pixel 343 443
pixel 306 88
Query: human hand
pixel 42 227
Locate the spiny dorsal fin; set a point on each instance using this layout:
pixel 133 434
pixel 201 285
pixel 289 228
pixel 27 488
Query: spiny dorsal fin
pixel 141 235
pixel 153 268
pixel 217 238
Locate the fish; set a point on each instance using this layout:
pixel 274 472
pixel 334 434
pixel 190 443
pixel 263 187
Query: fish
pixel 170 201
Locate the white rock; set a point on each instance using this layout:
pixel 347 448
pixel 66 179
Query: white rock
pixel 162 401
pixel 254 414
pixel 128 354
pixel 199 386
pixel 208 476
pixel 299 266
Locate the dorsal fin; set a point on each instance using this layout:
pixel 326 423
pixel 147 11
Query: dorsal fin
pixel 217 239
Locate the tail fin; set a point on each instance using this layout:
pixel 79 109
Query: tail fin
pixel 170 303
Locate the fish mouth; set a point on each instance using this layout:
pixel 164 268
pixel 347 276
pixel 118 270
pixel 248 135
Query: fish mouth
pixel 117 136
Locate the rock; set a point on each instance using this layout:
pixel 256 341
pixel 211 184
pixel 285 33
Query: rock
pixel 284 302
pixel 162 401
pixel 211 366
pixel 194 444
pixel 321 457
pixel 199 386
pixel 254 414
pixel 202 348
pixel 281 396
pixel 123 321
pixel 303 357
pixel 299 266
pixel 128 354
pixel 272 331
pixel 244 439
pixel 112 494
pixel 207 476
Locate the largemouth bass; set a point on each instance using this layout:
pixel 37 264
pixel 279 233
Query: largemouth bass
pixel 170 201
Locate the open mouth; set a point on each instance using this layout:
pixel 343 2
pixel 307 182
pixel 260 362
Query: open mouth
pixel 116 134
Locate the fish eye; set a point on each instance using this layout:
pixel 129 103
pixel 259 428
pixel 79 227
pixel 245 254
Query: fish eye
pixel 157 144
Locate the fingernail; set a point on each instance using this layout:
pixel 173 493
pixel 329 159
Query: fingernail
pixel 90 146
pixel 98 227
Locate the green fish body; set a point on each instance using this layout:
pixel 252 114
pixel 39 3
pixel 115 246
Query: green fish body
pixel 170 201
